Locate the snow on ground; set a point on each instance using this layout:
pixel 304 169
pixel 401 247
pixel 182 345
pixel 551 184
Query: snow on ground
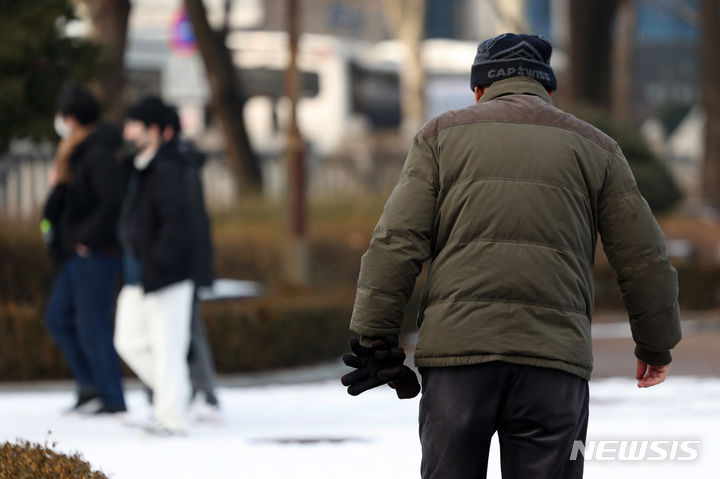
pixel 318 431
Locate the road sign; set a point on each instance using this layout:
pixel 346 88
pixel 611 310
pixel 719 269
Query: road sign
pixel 181 37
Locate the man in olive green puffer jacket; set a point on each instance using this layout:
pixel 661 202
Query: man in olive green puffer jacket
pixel 506 199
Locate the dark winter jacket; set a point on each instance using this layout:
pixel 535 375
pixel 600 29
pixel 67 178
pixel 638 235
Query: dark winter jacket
pixel 155 226
pixel 86 211
pixel 192 162
pixel 506 198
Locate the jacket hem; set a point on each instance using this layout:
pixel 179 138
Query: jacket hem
pixel 154 286
pixel 448 361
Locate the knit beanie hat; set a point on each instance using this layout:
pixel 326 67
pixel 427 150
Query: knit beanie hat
pixel 510 55
pixel 150 110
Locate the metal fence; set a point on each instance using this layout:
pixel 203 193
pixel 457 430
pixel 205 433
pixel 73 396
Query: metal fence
pixel 24 181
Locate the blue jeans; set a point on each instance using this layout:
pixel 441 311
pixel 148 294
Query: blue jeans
pixel 80 316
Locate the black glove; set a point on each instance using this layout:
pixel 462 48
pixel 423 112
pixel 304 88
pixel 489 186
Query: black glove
pixel 380 363
pixel 404 381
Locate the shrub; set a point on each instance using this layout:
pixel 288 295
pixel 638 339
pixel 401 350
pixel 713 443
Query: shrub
pixel 28 351
pixel 699 286
pixel 35 461
pixel 25 268
pixel 278 331
pixel 654 180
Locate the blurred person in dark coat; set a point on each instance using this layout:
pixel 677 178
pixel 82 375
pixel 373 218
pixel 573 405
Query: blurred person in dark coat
pixel 80 220
pixel 202 370
pixel 152 330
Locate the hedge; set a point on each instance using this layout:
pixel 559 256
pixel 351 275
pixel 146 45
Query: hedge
pixel 273 332
pixel 29 460
pixel 278 332
pixel 25 269
pixel 654 180
pixel 699 287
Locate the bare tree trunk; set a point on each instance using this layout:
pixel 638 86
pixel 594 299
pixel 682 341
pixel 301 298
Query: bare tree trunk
pixel 407 22
pixel 226 97
pixel 710 85
pixel 623 47
pixel 109 21
pixel 590 45
pixel 298 260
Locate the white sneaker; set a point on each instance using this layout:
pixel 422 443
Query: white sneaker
pixel 203 412
pixel 138 420
pixel 156 429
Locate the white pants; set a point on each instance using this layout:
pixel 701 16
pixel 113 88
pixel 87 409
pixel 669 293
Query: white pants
pixel 152 336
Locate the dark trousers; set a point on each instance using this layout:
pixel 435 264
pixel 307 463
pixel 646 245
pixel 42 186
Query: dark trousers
pixel 202 369
pixel 79 317
pixel 537 412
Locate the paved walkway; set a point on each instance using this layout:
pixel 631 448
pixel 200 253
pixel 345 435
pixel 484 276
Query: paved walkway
pixel 697 354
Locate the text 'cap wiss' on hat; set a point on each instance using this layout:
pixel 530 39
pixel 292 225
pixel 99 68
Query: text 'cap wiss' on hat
pixel 513 55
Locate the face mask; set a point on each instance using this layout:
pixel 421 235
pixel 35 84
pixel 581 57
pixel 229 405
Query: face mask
pixel 130 148
pixel 61 127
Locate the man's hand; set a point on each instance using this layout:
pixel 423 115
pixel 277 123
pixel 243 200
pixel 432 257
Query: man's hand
pixel 377 362
pixel 649 375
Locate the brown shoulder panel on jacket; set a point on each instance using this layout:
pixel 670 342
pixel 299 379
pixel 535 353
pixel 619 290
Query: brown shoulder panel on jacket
pixel 522 109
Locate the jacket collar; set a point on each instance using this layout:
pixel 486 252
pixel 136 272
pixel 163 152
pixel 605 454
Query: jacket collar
pixel 515 86
pixel 142 160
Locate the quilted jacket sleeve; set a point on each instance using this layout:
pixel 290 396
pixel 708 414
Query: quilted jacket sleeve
pixel 400 244
pixel 635 247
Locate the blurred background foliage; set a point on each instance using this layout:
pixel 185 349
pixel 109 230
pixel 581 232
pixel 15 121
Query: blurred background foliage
pixel 654 180
pixel 36 59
